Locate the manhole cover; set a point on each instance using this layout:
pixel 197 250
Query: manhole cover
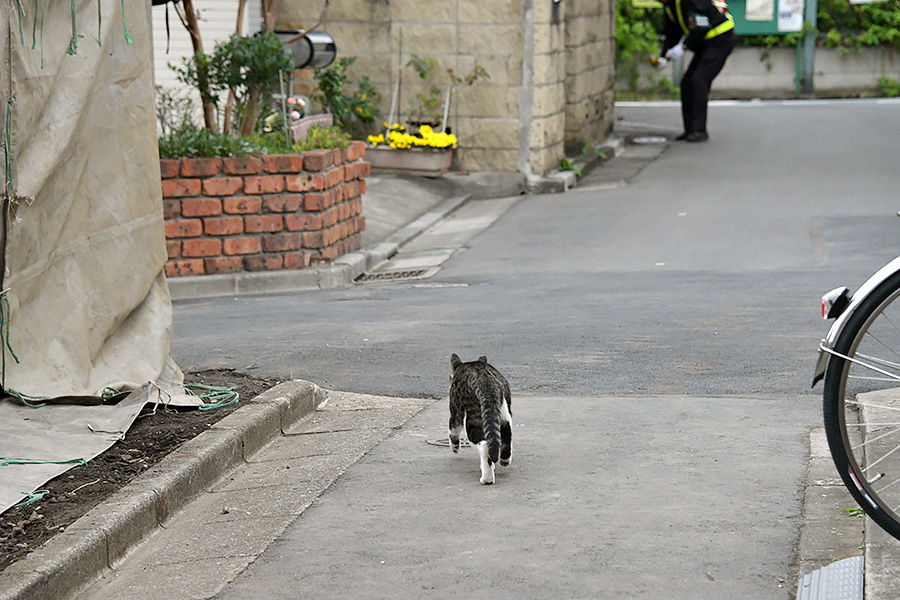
pixel 446 443
pixel 649 139
pixel 392 276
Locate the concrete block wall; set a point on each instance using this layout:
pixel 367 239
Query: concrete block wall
pixel 760 73
pixel 229 215
pixel 550 66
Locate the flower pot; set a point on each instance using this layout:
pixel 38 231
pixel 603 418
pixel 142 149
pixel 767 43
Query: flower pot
pixel 424 162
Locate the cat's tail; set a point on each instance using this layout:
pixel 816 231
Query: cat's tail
pixel 490 422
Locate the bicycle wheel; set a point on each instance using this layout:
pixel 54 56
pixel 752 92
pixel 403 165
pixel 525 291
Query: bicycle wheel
pixel 861 405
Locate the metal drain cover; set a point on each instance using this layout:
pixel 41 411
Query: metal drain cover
pixel 396 275
pixel 649 139
pixel 446 443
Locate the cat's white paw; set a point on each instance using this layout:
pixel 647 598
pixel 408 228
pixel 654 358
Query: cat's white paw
pixel 488 480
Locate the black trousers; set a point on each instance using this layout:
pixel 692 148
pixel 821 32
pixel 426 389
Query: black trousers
pixel 696 81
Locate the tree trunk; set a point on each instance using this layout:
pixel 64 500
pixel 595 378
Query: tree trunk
pixel 209 107
pixel 250 112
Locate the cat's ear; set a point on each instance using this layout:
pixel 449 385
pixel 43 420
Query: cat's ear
pixel 454 361
pixel 482 359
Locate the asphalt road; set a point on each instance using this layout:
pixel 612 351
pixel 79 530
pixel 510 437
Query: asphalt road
pixel 661 334
pixel 700 276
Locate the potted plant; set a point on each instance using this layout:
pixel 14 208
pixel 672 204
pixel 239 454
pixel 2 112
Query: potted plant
pixel 426 147
pixel 426 152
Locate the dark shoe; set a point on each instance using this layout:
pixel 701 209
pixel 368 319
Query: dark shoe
pixel 697 136
pixel 682 137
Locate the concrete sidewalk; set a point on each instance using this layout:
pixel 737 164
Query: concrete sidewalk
pixel 397 209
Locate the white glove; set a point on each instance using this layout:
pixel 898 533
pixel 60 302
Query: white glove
pixel 675 52
pixel 660 63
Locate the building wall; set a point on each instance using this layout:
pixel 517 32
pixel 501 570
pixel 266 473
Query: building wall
pixel 550 66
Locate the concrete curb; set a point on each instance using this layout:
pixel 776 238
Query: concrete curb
pixel 342 272
pixel 106 533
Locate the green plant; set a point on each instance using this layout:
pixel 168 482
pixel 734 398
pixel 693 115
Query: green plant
pixel 249 67
pixel 889 87
pixel 566 165
pixel 351 110
pixel 193 142
pixel 201 143
pixel 636 39
pixel 429 107
pixel 173 111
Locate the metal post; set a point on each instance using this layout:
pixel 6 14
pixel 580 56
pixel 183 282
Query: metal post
pixel 810 13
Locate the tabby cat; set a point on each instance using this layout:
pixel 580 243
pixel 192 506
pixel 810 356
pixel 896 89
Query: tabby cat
pixel 480 400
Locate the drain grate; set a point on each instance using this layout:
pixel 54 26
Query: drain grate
pixel 396 275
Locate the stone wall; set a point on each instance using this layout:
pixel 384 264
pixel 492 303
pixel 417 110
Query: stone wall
pixel 550 65
pixel 267 213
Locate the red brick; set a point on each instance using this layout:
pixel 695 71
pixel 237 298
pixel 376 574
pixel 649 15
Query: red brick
pixel 282 242
pixel 318 200
pixel 317 160
pixel 201 247
pixel 242 205
pixel 282 163
pixel 303 222
pixel 200 167
pixel 222 186
pixel 268 262
pixel 201 207
pixel 171 209
pixel 179 188
pixel 337 156
pixel 356 206
pixel 173 248
pixel 305 182
pixel 333 177
pixel 351 189
pixel 224 264
pixel 362 185
pixel 184 228
pixel 181 268
pixel 350 171
pixel 355 151
pixel 248 165
pixel 331 216
pixel 364 169
pixel 241 245
pixel 169 168
pixel 362 223
pixel 296 260
pixel 263 224
pixel 223 225
pixel 283 203
pixel 264 184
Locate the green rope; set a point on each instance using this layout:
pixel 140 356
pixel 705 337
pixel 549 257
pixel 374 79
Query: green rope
pixel 5 461
pixel 125 25
pixel 33 497
pixel 24 398
pixel 6 142
pixel 214 397
pixel 73 42
pixel 108 392
pixel 22 16
pixel 100 21
pixel 5 318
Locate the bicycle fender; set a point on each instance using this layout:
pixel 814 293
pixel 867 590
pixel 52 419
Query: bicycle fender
pixel 840 322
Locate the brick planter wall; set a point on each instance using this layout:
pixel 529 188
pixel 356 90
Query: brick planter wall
pixel 266 213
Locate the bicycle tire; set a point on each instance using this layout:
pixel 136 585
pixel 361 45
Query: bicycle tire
pixel 863 433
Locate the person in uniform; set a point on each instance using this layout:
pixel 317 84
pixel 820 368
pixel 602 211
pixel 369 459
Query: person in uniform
pixel 705 28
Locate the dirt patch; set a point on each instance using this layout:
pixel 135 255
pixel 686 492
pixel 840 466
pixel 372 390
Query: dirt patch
pixel 150 439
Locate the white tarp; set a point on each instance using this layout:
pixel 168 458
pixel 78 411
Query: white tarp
pixel 88 303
